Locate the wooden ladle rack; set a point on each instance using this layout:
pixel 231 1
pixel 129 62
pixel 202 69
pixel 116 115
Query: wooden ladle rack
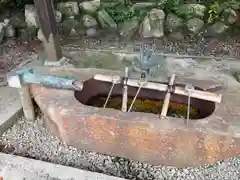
pixel 169 88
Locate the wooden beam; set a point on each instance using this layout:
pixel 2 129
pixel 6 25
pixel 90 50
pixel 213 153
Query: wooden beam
pixel 48 25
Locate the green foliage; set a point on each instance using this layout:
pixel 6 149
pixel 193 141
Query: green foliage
pixel 217 8
pixel 214 12
pixel 172 5
pixel 123 10
pixel 119 10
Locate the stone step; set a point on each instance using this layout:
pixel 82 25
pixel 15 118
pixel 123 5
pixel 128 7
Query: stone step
pixel 20 168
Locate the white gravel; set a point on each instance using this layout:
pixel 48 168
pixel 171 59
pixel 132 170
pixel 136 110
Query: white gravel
pixel 33 140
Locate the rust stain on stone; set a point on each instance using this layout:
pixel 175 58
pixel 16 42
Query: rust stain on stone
pixel 185 146
pixel 212 149
pixel 101 130
pixel 142 138
pixel 226 144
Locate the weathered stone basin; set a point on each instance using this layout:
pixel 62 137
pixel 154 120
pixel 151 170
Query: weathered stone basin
pixel 142 136
pixel 204 108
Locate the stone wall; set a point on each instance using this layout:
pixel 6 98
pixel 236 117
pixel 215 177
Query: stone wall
pixel 147 19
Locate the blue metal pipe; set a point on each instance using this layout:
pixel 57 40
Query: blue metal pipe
pixel 68 83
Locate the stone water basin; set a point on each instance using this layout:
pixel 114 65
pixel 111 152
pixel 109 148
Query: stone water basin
pixel 142 136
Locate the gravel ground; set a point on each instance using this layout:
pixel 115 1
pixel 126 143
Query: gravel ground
pixel 12 53
pixel 33 140
pixel 221 46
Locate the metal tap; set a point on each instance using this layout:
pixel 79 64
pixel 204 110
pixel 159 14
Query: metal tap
pixel 145 61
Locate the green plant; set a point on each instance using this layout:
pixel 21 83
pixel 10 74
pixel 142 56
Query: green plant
pixel 120 10
pixel 213 12
pixel 172 5
pixel 217 8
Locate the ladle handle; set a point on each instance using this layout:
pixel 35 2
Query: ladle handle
pixel 166 104
pixel 167 97
pixel 125 92
pixel 203 95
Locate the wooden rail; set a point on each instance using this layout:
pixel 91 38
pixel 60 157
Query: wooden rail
pixel 217 98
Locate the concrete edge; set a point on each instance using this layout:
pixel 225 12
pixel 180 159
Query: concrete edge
pixel 8 123
pixel 10 108
pixel 25 167
pixel 61 62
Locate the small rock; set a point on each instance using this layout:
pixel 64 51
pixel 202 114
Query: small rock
pixel 179 174
pixel 31 16
pixel 17 20
pixel 40 35
pixel 1 32
pixel 173 22
pixel 73 32
pixel 191 10
pixel 129 27
pixel 185 171
pixel 90 6
pixel 230 15
pixel 58 16
pixel 194 25
pixel 89 21
pixel 105 19
pixel 217 28
pixel 145 27
pixel 70 27
pixel 9 31
pixel 153 24
pixel 91 32
pixel 68 8
pixel 176 36
pixel 6 22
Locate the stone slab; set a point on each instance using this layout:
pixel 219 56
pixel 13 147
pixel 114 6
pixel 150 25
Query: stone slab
pixel 10 108
pixel 19 168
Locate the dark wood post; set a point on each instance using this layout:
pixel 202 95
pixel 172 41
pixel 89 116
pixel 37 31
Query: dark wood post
pixel 48 25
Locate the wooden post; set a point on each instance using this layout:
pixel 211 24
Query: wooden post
pixel 27 103
pixel 125 92
pixel 47 20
